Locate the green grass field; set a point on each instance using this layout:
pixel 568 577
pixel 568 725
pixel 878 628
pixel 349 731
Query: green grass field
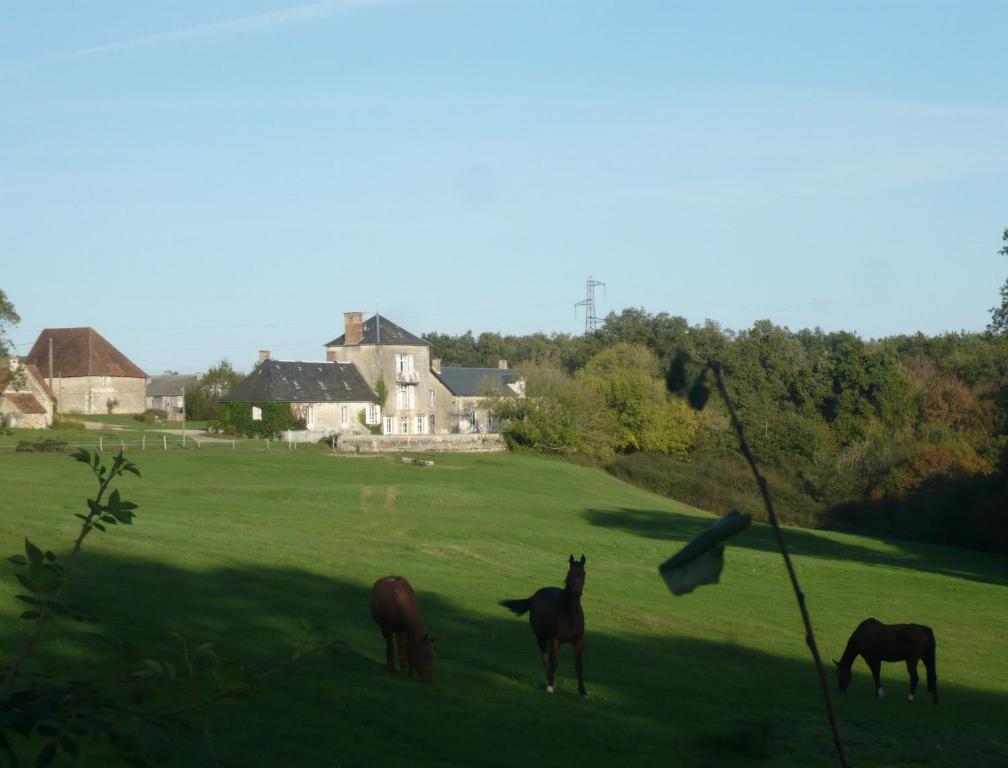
pixel 234 547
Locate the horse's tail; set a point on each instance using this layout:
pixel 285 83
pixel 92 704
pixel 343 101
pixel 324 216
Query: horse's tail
pixel 929 662
pixel 518 607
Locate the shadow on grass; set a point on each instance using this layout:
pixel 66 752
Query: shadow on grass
pixel 653 698
pixel 947 561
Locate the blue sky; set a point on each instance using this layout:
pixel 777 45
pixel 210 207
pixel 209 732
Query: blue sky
pixel 199 180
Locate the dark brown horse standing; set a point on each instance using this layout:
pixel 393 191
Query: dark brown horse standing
pixel 556 617
pixel 395 609
pixel 878 642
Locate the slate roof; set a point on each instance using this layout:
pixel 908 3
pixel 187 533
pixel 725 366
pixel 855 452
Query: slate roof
pixel 381 330
pixel 81 352
pixel 169 384
pixel 474 382
pixel 280 381
pixel 25 403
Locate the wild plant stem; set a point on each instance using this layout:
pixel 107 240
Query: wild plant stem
pixel 772 515
pixel 86 527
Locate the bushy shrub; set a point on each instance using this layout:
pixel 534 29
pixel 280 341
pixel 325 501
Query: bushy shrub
pixel 151 415
pixel 62 422
pixel 717 484
pixel 47 445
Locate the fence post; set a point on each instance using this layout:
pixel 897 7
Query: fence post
pixel 123 442
pixel 232 445
pixel 101 444
pixel 267 443
pixel 143 441
pixel 164 438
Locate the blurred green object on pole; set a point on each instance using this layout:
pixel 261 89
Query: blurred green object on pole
pixel 701 561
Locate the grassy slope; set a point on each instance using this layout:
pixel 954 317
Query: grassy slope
pixel 234 547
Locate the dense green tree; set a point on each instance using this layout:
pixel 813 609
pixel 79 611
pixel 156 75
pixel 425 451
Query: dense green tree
pixel 8 318
pixel 999 314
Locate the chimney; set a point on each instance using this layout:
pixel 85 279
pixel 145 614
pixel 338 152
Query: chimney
pixel 264 355
pixel 502 364
pixel 354 327
pixel 435 365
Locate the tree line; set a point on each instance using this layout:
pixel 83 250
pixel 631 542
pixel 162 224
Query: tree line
pixel 903 436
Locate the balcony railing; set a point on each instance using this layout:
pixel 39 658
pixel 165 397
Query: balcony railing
pixel 407 377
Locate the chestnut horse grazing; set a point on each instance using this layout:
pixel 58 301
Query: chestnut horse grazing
pixel 878 642
pixel 556 617
pixel 395 609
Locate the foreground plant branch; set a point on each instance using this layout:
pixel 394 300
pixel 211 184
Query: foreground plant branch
pixel 698 397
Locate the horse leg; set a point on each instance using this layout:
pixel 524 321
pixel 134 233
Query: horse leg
pixel 875 665
pixel 404 664
pixel 389 653
pixel 911 663
pixel 544 650
pixel 578 648
pixel 554 648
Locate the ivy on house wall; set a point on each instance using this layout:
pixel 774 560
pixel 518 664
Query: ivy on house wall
pixel 236 418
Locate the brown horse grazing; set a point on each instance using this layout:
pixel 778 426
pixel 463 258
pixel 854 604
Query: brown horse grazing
pixel 878 642
pixel 556 617
pixel 395 609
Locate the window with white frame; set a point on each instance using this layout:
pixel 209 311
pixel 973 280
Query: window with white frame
pixel 421 423
pixel 405 397
pixel 256 413
pixel 373 414
pixel 310 417
pixel 431 398
pixel 404 363
pixel 344 416
pixel 405 425
pixel 432 431
pixel 389 425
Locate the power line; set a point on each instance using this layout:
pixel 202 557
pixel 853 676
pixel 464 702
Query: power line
pixel 592 321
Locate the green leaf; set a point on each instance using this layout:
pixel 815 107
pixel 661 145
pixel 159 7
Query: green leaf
pixel 18 559
pixel 131 468
pixel 26 582
pixel 33 552
pixel 28 599
pixel 207 652
pixel 82 517
pixel 30 615
pixel 46 755
pixel 155 665
pixel 702 559
pixel 94 506
pixel 82 456
pixel 100 527
pixel 50 556
pixel 109 519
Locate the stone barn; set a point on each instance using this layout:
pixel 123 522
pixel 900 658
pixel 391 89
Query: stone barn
pixel 89 375
pixel 26 401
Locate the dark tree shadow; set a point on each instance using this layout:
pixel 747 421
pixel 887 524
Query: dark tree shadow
pixel 674 526
pixel 654 698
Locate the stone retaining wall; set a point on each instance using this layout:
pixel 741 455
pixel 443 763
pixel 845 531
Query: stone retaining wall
pixel 483 443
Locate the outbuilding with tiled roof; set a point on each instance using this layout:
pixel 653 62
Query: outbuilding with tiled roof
pixel 89 375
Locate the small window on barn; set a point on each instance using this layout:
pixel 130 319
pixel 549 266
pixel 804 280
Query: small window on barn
pixel 431 398
pixel 256 413
pixel 421 422
pixel 405 425
pixel 389 425
pixel 373 414
pixel 344 415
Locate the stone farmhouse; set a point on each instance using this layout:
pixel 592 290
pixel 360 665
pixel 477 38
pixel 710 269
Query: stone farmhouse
pixel 165 392
pixel 26 400
pixel 373 357
pixel 329 396
pixel 88 373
